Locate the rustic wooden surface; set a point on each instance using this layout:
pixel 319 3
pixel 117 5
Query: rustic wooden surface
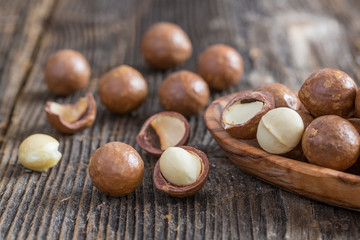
pixel 282 40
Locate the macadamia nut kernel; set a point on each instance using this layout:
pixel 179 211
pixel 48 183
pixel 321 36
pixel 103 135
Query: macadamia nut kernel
pixel 39 152
pixel 280 130
pixel 241 113
pixel 179 166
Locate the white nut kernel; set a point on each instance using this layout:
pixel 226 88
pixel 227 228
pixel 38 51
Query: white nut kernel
pixel 39 152
pixel 280 130
pixel 179 166
pixel 241 112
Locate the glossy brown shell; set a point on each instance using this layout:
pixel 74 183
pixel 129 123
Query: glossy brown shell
pixel 221 66
pixel 85 121
pixel 66 72
pixel 184 92
pixel 182 191
pixel 116 169
pixel 283 96
pixel 328 92
pixel 165 45
pixel 331 141
pixel 123 89
pixel 148 140
pixel 247 130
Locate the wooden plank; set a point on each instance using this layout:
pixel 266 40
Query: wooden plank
pixel 279 41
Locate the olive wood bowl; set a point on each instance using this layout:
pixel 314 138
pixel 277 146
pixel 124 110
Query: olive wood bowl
pixel 319 183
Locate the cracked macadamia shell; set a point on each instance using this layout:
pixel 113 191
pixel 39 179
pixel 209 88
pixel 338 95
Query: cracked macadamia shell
pixel 187 190
pixel 221 66
pixel 165 45
pixel 116 169
pixel 329 92
pixel 280 130
pixel 331 141
pixel 72 118
pixel 123 89
pixel 163 130
pixel 184 92
pixel 66 72
pixel 283 96
pixel 241 116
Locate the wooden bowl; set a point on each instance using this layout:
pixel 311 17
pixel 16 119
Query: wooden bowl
pixel 319 183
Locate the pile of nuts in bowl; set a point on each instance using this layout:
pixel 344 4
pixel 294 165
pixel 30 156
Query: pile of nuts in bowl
pixel 321 119
pixel 273 114
pixel 116 168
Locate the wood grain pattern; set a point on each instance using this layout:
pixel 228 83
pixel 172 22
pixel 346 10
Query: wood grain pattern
pixel 282 41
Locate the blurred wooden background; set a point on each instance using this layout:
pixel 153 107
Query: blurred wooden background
pixel 280 40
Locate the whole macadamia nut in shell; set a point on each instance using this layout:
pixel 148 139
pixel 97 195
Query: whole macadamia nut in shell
pixel 221 66
pixel 123 89
pixel 283 96
pixel 116 169
pixel 329 92
pixel 165 45
pixel 331 141
pixel 184 92
pixel 66 72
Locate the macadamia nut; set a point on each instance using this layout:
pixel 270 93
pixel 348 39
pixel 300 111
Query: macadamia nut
pixel 280 130
pixel 39 152
pixel 66 72
pixel 180 167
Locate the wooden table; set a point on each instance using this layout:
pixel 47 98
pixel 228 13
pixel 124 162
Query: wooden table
pixel 280 40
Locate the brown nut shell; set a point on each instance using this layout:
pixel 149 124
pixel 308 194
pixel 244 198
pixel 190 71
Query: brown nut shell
pixel 123 89
pixel 283 96
pixel 116 169
pixel 66 72
pixel 165 45
pixel 221 66
pixel 357 104
pixel 184 92
pixel 356 123
pixel 183 191
pixel 328 92
pixel 297 153
pixel 331 141
pixel 247 129
pixel 149 139
pixel 69 118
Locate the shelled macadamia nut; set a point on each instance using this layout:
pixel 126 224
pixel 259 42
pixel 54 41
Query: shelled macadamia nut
pixel 221 66
pixel 66 72
pixel 331 141
pixel 241 116
pixel 184 92
pixel 39 152
pixel 123 89
pixel 280 130
pixel 329 92
pixel 116 169
pixel 165 45
pixel 69 118
pixel 163 130
pixel 181 171
pixel 283 96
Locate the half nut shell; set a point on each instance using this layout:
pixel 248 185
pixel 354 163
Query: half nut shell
pixel 183 191
pixel 72 118
pixel 242 114
pixel 163 130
